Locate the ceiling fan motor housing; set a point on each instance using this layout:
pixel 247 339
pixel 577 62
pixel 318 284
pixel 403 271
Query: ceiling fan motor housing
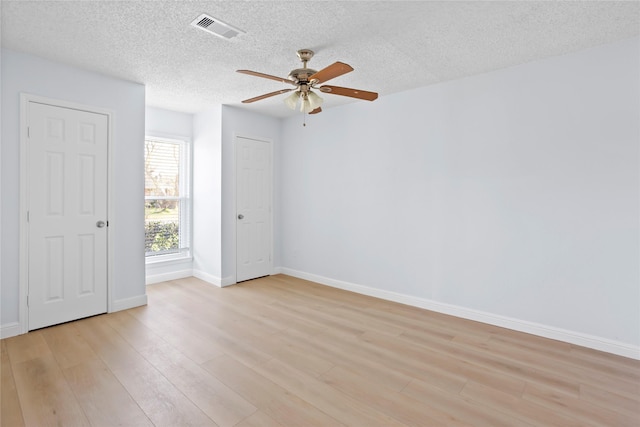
pixel 301 75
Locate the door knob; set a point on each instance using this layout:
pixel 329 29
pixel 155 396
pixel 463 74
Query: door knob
pixel 100 224
pixel 240 216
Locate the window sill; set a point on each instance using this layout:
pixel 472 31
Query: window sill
pixel 168 259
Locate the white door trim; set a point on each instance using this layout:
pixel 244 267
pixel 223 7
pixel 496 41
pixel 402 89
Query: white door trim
pixel 235 199
pixel 25 99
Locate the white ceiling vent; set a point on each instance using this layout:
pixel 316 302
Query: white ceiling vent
pixel 216 27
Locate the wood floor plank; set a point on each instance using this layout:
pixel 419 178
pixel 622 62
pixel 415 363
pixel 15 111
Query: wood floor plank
pixel 237 305
pixel 320 317
pixel 322 294
pixel 206 333
pixel 67 346
pixel 576 408
pixel 496 362
pixel 583 353
pixel 223 405
pixel 103 399
pixel 170 329
pixel 161 401
pixel 464 408
pixel 259 419
pixel 45 395
pixel 26 347
pixel 275 401
pixel 526 411
pixel 330 400
pixel 280 351
pixel 390 402
pixel 363 319
pixel 297 356
pixel 10 410
pixel 338 354
pixel 629 405
pixel 559 367
pixel 439 364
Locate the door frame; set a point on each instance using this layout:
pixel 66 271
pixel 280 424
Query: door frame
pixel 235 199
pixel 25 99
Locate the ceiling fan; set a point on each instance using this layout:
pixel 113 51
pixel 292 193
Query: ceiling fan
pixel 305 79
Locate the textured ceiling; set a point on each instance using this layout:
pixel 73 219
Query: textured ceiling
pixel 393 45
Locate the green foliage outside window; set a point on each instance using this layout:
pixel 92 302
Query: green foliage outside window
pixel 161 237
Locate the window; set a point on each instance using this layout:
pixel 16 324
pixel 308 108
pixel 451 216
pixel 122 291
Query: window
pixel 167 201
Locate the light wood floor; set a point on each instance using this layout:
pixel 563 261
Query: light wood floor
pixel 280 351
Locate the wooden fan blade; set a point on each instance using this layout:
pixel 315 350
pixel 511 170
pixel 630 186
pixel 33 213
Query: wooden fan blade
pixel 316 111
pixel 353 93
pixel 266 95
pixel 331 72
pixel 266 76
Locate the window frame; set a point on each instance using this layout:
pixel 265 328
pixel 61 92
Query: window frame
pixel 185 199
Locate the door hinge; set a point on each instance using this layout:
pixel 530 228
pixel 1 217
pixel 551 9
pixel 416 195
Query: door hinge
pixel 27 300
pixel 27 216
pixel 28 132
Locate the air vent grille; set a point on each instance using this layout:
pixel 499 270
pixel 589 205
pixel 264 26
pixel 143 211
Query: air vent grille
pixel 216 27
pixel 205 22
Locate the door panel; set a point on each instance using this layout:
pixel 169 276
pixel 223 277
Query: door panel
pixel 253 201
pixel 67 197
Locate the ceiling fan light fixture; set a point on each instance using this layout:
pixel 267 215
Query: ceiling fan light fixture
pixel 305 107
pixel 314 100
pixel 310 101
pixel 291 101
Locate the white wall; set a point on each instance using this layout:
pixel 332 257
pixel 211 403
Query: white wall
pixel 23 73
pixel 237 122
pixel 513 194
pixel 207 208
pixel 168 124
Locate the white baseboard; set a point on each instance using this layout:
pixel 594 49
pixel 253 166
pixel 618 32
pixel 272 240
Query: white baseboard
pixel 127 303
pixel 209 278
pixel 10 330
pixel 572 337
pixel 163 277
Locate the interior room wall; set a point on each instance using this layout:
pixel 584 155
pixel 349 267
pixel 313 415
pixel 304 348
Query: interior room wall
pixel 171 124
pixel 207 207
pixel 22 73
pixel 237 122
pixel 511 197
pixel 168 124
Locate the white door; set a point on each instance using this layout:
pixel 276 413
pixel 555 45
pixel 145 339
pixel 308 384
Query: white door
pixel 67 214
pixel 253 209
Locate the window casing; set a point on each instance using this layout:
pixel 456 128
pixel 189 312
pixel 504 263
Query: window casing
pixel 167 194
